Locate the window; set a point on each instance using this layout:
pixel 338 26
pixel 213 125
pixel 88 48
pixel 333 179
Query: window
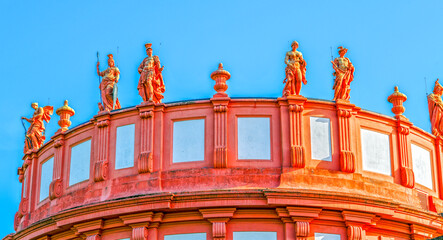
pixel 326 236
pixel 80 162
pixel 25 186
pixel 254 138
pixel 321 139
pixel 188 236
pixel 47 169
pixel 255 235
pixel 421 164
pixel 376 152
pixel 188 141
pixel 124 147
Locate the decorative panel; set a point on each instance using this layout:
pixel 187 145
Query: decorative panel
pixel 188 141
pixel 321 139
pixel 124 147
pixel 326 236
pixel 376 152
pixel 187 236
pixel 80 162
pixel 421 164
pixel 254 138
pixel 47 169
pixel 255 235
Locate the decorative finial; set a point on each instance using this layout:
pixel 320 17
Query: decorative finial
pixel 397 99
pixel 65 112
pixel 220 76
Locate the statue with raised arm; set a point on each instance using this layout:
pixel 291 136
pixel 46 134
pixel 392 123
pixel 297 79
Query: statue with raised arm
pixel 344 74
pixel 295 71
pixel 435 105
pixel 108 85
pixel 151 86
pixel 35 135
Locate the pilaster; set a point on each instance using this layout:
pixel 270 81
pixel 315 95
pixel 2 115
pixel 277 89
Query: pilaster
pixel 356 222
pixel 145 159
pixel 139 223
pixel 289 226
pixel 220 131
pixel 91 230
pixel 355 232
pixel 406 172
pixel 297 151
pixel 299 218
pixel 438 154
pixel 153 226
pixel 102 161
pixel 56 186
pixel 31 200
pixel 407 175
pixel 345 110
pixel 218 217
pixel 27 171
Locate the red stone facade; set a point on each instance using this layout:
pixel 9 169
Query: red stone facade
pixel 290 194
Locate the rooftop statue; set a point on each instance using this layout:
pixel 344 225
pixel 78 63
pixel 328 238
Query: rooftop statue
pixel 35 135
pixel 435 105
pixel 344 74
pixel 295 71
pixel 150 85
pixel 108 86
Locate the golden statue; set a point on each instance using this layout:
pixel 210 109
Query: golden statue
pixel 108 86
pixel 344 74
pixel 150 85
pixel 35 135
pixel 295 71
pixel 435 105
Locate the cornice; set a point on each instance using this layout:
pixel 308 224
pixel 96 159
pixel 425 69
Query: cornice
pixel 143 207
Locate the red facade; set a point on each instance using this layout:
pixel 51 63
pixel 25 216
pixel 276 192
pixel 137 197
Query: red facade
pixel 290 194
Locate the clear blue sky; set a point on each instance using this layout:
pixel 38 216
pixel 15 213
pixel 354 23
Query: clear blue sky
pixel 48 54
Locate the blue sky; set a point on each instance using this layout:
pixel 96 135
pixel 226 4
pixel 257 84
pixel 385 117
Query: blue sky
pixel 48 54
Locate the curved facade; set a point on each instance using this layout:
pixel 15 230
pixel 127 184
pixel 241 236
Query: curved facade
pixel 288 168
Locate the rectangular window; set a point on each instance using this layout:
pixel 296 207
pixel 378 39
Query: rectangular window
pixel 25 186
pixel 254 138
pixel 80 162
pixel 188 141
pixel 321 139
pixel 124 147
pixel 376 152
pixel 326 236
pixel 187 236
pixel 47 169
pixel 421 164
pixel 255 235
